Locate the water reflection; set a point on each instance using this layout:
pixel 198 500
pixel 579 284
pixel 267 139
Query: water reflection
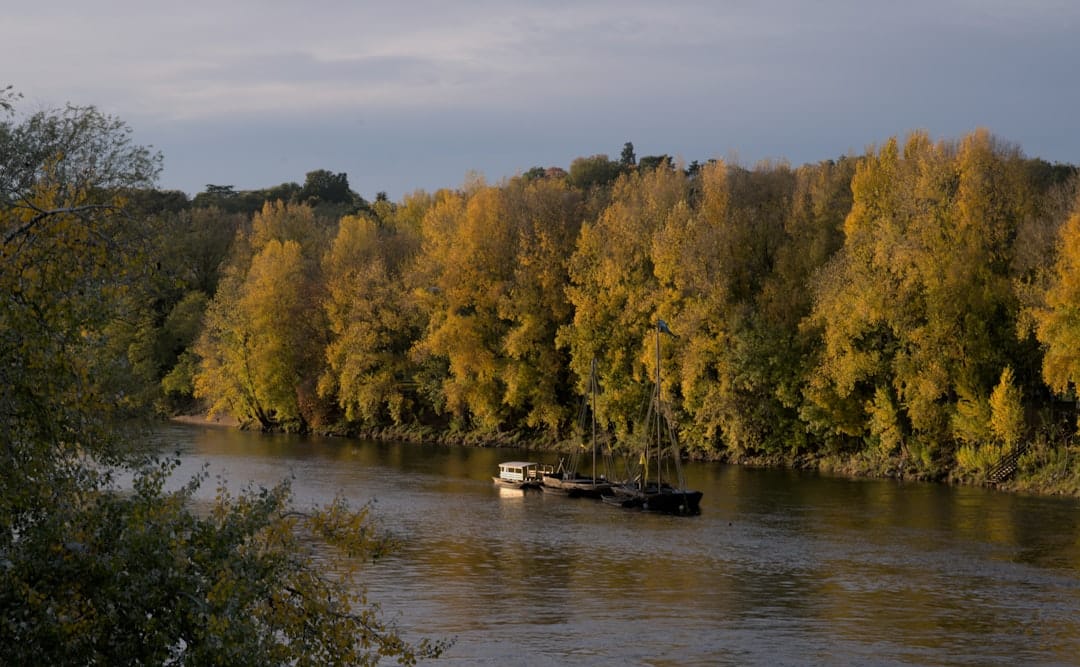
pixel 781 567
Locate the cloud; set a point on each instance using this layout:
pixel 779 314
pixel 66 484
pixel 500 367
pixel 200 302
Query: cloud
pixel 502 86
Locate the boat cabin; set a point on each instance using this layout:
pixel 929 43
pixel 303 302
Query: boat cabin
pixel 519 473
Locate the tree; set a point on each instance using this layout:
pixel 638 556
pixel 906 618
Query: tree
pixel 990 429
pixel 615 292
pixel 71 265
pixel 143 578
pixel 546 216
pixel 714 261
pixel 1007 410
pixel 1057 319
pixel 220 190
pixel 373 323
pixel 99 573
pixel 322 186
pixel 627 158
pixel 262 349
pixel 594 171
pixel 468 248
pixel 920 300
pixel 650 162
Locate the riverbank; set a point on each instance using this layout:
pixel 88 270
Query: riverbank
pixel 203 420
pixel 1046 469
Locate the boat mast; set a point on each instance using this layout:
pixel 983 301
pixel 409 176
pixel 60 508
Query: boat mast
pixel 592 389
pixel 659 418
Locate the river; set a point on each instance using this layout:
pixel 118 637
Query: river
pixel 779 568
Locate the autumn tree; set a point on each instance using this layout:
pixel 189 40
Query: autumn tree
pixel 468 254
pixel 546 216
pixel 851 303
pixel 615 292
pixel 1002 428
pixel 917 310
pixel 690 251
pixel 373 321
pixel 714 261
pixel 820 199
pixel 263 346
pixel 1057 317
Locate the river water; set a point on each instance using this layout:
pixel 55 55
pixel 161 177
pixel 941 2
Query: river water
pixel 780 567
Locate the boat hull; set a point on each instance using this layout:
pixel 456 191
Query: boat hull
pixel 665 500
pixel 576 487
pixel 512 484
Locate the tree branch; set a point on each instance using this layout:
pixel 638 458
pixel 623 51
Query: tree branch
pixel 43 214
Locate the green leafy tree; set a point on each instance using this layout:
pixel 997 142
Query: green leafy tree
pixel 70 266
pixel 96 573
pixel 322 186
pixel 594 171
pixel 142 578
pixel 650 162
pixel 189 246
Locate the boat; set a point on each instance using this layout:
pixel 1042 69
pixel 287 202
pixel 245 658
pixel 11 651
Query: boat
pixel 648 489
pixel 518 475
pixel 566 480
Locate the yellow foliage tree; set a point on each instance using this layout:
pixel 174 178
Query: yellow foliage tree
pixel 468 256
pixel 920 297
pixel 372 321
pixel 546 215
pixel 262 349
pixel 1058 320
pixel 1007 411
pixel 616 294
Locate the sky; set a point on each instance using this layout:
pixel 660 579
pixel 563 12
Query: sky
pixel 404 95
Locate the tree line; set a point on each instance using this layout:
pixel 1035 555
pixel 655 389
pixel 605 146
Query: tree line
pixel 908 307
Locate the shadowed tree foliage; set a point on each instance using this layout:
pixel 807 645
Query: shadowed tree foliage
pixel 322 186
pixel 594 171
pixel 98 572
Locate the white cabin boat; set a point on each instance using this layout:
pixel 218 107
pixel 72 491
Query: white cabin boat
pixel 519 475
